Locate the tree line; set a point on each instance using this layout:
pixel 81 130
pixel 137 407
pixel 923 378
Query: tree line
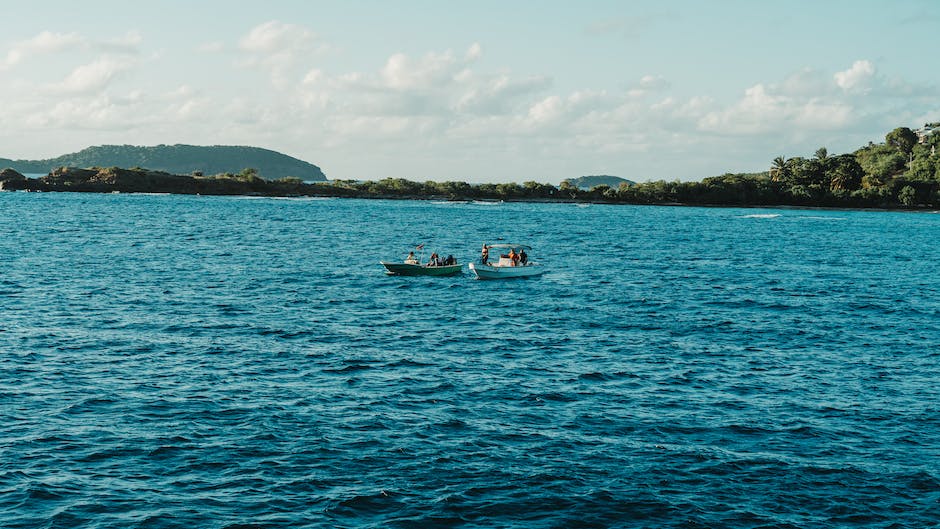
pixel 902 172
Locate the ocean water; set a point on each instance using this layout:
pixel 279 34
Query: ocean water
pixel 223 362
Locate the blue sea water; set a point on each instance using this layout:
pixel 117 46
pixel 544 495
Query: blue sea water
pixel 223 362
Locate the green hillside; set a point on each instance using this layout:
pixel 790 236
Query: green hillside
pixel 179 159
pixel 587 182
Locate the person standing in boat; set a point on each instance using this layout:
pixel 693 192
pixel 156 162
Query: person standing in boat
pixel 523 257
pixel 513 257
pixel 484 255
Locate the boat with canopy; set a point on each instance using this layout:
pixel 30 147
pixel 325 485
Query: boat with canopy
pixel 513 262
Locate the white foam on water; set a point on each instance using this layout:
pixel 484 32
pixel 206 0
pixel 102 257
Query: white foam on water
pixel 760 216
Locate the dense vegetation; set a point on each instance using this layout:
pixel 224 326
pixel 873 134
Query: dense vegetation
pixel 178 159
pixel 901 172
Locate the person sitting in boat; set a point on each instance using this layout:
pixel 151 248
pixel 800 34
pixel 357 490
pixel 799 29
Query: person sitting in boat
pixel 451 260
pixel 484 255
pixel 411 259
pixel 434 260
pixel 514 257
pixel 523 257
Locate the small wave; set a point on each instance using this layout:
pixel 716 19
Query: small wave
pixel 487 203
pixel 407 362
pixel 289 199
pixel 820 217
pixel 302 199
pixel 364 504
pixel 452 424
pixel 167 451
pixel 553 396
pixel 348 369
pixel 760 216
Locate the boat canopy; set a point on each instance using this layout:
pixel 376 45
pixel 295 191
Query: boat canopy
pixel 510 246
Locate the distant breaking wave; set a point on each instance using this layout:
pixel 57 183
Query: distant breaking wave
pixel 760 216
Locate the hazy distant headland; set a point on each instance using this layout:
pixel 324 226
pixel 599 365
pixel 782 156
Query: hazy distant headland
pixel 587 182
pixel 178 159
pixel 902 172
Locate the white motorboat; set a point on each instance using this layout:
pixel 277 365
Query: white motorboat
pixel 513 263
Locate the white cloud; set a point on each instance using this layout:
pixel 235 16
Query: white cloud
pixel 403 73
pixel 438 85
pixel 43 43
pixel 444 104
pixel 647 85
pixel 95 113
pixel 276 37
pixel 653 82
pixel 806 82
pixel 821 115
pixel 185 104
pixel 91 77
pixel 434 70
pixel 757 112
pixel 496 95
pixel 48 43
pixel 802 102
pixel 857 78
pixel 278 48
pixel 546 110
pixel 474 52
pixel 128 43
pixel 312 77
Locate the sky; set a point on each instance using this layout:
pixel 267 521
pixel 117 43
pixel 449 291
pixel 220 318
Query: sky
pixel 483 91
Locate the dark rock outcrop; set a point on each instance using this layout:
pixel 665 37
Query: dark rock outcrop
pixel 11 180
pixel 114 179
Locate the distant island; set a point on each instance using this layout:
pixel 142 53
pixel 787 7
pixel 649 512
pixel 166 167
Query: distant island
pixel 902 172
pixel 587 182
pixel 178 159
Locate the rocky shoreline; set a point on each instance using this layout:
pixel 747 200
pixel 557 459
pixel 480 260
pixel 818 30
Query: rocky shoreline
pixel 136 180
pixel 113 179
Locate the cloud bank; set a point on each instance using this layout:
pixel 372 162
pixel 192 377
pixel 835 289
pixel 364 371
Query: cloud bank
pixel 443 114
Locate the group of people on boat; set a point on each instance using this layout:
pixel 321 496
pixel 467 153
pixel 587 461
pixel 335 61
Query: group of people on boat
pixel 435 260
pixel 519 258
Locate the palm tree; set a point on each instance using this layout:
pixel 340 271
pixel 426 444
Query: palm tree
pixel 780 169
pixel 821 154
pixel 846 173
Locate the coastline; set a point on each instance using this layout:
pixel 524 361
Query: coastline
pixel 142 181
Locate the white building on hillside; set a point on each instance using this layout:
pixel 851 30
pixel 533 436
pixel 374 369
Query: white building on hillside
pixel 926 131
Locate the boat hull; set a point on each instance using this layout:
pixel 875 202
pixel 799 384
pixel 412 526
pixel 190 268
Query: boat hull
pixel 505 272
pixel 405 269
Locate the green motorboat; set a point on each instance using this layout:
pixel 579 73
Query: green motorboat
pixel 416 269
